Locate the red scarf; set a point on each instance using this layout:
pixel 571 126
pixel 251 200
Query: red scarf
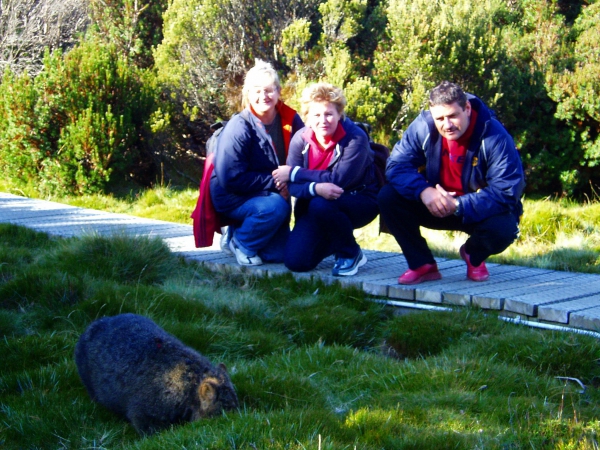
pixel 453 159
pixel 320 156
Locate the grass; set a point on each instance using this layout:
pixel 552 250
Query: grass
pixel 556 234
pixel 315 366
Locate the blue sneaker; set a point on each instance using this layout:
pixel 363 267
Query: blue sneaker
pixel 345 267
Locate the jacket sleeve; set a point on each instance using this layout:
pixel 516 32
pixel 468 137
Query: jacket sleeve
pixel 405 166
pixel 504 179
pixel 237 158
pixel 347 172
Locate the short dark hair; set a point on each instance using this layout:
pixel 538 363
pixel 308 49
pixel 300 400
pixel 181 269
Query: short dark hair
pixel 447 93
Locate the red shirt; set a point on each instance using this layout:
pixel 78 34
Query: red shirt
pixel 453 159
pixel 319 156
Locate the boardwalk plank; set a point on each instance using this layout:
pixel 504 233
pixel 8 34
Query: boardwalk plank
pixel 530 281
pixel 588 319
pixel 566 290
pixel 560 312
pixel 545 295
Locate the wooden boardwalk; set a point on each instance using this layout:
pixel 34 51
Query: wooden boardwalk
pixel 536 296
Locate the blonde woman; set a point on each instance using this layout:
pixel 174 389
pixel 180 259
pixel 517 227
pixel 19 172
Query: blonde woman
pixel 252 144
pixel 330 171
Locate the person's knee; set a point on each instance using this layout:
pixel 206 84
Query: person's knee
pixel 274 207
pixel 320 208
pixel 498 234
pixel 506 237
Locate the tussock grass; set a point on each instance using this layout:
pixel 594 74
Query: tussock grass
pixel 315 366
pixel 557 234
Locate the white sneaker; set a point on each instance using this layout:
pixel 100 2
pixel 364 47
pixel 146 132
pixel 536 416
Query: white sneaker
pixel 224 241
pixel 242 258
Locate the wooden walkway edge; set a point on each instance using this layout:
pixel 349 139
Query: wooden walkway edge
pixel 566 299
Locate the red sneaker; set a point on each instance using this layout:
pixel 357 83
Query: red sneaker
pixel 475 273
pixel 427 272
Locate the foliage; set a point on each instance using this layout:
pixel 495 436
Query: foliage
pixel 314 365
pixel 20 152
pixel 209 45
pixel 77 125
pixel 576 89
pixel 134 27
pixel 535 63
pixel 497 50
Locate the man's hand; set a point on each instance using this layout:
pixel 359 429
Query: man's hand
pixel 329 191
pixel 283 191
pixel 438 201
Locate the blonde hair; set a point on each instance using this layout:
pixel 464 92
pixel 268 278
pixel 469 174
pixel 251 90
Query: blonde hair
pixel 257 75
pixel 322 93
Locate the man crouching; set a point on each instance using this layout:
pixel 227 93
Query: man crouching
pixel 455 168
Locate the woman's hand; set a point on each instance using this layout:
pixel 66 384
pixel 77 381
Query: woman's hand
pixel 281 175
pixel 329 191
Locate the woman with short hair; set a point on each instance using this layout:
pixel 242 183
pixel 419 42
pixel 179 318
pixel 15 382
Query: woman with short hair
pixel 253 144
pixel 330 171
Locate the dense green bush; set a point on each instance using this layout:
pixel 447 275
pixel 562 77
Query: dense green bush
pixel 77 125
pixel 575 86
pixel 535 63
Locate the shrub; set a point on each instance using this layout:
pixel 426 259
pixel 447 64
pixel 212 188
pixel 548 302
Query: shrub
pixel 20 150
pixel 576 89
pixel 135 27
pixel 78 125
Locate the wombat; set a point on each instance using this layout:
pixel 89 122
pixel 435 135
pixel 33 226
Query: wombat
pixel 136 369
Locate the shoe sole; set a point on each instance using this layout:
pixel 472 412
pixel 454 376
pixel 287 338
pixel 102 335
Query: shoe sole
pixel 354 271
pixel 240 261
pixel 427 277
pixel 478 279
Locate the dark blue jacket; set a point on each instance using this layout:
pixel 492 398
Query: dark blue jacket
pixel 351 166
pixel 244 161
pixel 492 177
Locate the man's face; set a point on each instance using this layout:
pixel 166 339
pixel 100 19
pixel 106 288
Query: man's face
pixel 451 120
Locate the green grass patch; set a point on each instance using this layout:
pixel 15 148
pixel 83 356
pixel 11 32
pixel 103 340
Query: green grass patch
pixel 315 365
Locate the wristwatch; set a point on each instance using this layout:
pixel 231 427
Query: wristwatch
pixel 458 211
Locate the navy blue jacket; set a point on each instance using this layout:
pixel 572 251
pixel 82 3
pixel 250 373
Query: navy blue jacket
pixel 244 161
pixel 351 166
pixel 492 177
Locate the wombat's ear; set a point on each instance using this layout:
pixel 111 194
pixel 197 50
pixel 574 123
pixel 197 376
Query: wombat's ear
pixel 208 394
pixel 222 367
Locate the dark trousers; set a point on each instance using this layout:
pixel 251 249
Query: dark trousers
pixel 326 227
pixel 405 217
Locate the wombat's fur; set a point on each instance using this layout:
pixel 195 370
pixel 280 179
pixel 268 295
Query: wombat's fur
pixel 136 369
